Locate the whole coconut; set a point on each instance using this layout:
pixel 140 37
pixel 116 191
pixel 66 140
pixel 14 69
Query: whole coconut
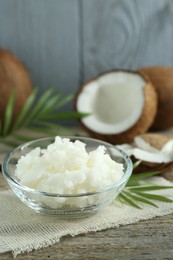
pixel 112 101
pixel 13 76
pixel 162 79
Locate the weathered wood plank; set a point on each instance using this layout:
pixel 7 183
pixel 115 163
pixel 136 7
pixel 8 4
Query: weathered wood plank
pixel 45 36
pixel 126 34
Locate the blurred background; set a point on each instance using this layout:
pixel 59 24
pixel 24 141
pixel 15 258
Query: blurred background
pixel 65 42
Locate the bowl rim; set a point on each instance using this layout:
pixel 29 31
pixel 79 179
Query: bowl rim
pixel 107 188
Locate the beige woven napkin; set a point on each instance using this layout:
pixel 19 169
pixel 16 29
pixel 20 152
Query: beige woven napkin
pixel 22 229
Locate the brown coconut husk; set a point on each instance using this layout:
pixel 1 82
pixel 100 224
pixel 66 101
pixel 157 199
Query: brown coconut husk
pixel 13 76
pixel 142 125
pixel 162 78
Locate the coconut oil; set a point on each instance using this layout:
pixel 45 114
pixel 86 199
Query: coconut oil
pixel 65 167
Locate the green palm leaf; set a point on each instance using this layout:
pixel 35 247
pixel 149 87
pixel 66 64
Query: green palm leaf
pixel 39 114
pixel 51 104
pixel 125 199
pixel 25 110
pixel 65 100
pixel 139 199
pixel 135 192
pixel 154 197
pixel 8 114
pixel 39 105
pixel 150 188
pixel 140 176
pixel 65 115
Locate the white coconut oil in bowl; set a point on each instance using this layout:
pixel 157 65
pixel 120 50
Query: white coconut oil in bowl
pixel 70 177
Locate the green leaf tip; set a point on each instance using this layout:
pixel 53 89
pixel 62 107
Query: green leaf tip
pixel 8 114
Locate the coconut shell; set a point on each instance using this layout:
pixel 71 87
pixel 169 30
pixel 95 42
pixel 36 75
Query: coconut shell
pixel 157 141
pixel 162 79
pixel 143 124
pixel 163 168
pixel 13 76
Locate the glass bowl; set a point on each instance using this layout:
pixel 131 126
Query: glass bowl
pixel 73 206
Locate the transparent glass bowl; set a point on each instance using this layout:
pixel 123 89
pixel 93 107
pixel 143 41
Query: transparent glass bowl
pixel 75 206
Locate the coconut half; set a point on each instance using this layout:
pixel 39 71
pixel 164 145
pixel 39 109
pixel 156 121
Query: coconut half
pixel 121 104
pixel 154 150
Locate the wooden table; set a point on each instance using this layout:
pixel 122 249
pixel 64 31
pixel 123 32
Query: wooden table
pixel 152 239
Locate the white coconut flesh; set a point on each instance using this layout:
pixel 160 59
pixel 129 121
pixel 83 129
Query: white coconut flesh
pixel 114 101
pixel 142 150
pixel 143 145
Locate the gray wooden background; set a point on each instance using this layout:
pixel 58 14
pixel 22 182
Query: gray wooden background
pixel 65 42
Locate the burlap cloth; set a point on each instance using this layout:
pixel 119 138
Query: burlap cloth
pixel 22 229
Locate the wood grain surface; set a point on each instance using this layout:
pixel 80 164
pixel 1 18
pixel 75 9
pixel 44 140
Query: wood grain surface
pixel 149 240
pixel 126 34
pixel 45 36
pixel 65 42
